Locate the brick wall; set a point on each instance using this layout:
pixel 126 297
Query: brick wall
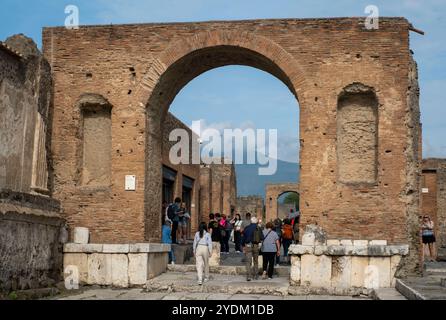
pixel 140 69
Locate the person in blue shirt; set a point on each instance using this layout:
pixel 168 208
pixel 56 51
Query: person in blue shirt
pixel 167 238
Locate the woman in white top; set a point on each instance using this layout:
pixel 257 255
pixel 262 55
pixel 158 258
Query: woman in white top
pixel 202 251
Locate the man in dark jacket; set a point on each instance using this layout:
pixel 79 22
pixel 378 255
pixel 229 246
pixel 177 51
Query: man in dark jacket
pixel 251 245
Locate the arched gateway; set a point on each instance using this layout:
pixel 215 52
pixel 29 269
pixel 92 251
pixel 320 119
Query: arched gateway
pixel 349 80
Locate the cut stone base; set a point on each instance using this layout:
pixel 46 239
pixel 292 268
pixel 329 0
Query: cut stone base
pixel 347 266
pixel 117 265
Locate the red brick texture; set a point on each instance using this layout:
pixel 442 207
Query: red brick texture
pixel 139 69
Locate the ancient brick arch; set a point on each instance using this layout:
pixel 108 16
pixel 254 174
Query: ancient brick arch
pixel 187 58
pixel 140 68
pixel 273 192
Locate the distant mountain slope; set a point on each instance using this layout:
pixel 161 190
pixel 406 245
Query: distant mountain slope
pixel 249 182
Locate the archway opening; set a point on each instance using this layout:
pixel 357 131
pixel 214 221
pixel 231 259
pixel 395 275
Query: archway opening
pixel 170 83
pixel 288 205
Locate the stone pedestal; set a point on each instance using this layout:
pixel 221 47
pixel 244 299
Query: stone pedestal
pixel 344 265
pixel 117 265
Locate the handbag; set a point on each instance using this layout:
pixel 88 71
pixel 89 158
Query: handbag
pixel 260 250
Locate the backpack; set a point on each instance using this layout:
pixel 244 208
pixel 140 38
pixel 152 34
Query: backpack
pixel 171 212
pixel 257 236
pixel 222 230
pixel 287 232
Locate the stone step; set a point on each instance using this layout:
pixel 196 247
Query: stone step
pixel 281 271
pixel 186 282
pixel 421 288
pixel 387 294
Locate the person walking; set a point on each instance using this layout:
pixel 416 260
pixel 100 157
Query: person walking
pixel 428 238
pixel 167 238
pixel 287 238
pixel 237 223
pixel 270 250
pixel 251 240
pixel 214 230
pixel 202 250
pixel 278 230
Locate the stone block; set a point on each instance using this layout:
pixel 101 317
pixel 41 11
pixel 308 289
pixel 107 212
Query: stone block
pixel 346 242
pixel 378 242
pixel 359 266
pixel 82 248
pixel 336 250
pixel 320 250
pixel 320 237
pixel 382 265
pixel 115 248
pixel 333 242
pixel 360 243
pixel 99 269
pixel 119 270
pixel 341 272
pixel 359 250
pixel 138 268
pixel 308 239
pixel 81 235
pixel 157 264
pixel 149 247
pixel 394 264
pixel 316 271
pixel 295 270
pixel 300 250
pixel 80 261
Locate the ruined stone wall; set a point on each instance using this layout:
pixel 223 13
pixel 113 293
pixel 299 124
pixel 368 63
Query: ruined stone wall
pixel 189 170
pixel 441 211
pixel 434 199
pixel 273 192
pixel 31 240
pixel 31 229
pixel 251 204
pixel 218 190
pixel 25 98
pixel 140 69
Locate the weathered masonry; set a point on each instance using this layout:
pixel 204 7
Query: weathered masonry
pixel 31 228
pixel 359 117
pixel 433 200
pixel 273 193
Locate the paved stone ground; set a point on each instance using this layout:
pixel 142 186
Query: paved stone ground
pixel 427 287
pixel 138 294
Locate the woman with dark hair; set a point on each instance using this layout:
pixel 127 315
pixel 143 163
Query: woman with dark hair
pixel 202 251
pixel 237 223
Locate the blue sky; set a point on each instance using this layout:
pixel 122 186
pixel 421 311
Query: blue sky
pixel 241 96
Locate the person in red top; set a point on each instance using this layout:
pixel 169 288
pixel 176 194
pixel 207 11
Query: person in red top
pixel 287 237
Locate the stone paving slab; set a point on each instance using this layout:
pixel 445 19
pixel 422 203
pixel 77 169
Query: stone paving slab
pixel 138 294
pixel 421 288
pixel 187 282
